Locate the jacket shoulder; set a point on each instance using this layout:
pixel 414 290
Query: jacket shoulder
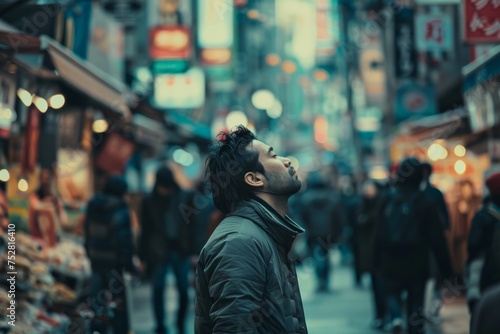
pixel 238 225
pixel 237 229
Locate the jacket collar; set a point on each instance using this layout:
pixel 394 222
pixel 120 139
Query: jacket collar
pixel 282 230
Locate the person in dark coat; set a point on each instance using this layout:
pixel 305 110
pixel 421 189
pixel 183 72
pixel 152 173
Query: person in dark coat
pixel 323 218
pixel 433 295
pixel 435 195
pixel 486 319
pixel 410 230
pixel 245 281
pixel 367 222
pixel 166 242
pixel 484 237
pixel 350 202
pixel 203 215
pixel 110 248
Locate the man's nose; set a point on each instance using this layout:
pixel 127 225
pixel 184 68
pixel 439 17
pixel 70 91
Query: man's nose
pixel 287 162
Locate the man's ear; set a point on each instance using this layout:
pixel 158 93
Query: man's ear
pixel 254 179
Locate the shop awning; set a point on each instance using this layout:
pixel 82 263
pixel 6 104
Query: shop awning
pixel 148 131
pixel 88 79
pixel 188 127
pixel 31 52
pixel 482 69
pixel 441 126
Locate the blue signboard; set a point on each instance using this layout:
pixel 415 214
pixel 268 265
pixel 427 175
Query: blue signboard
pixel 414 100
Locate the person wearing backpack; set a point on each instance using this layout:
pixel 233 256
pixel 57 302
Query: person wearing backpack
pixel 410 229
pixel 484 239
pixel 322 216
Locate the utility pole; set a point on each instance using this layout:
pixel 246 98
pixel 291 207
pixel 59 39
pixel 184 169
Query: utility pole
pixel 350 54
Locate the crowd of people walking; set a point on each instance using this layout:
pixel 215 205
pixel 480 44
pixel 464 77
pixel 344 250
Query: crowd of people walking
pixel 237 234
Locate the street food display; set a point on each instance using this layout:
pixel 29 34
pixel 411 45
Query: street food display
pixel 49 284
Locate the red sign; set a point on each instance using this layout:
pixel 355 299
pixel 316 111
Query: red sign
pixel 169 43
pixel 115 154
pixel 29 154
pixel 216 56
pixel 482 21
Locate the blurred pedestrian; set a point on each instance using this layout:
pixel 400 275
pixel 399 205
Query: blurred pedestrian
pixel 485 319
pixel 350 203
pixel 410 229
pixel 367 222
pixel 246 282
pixel 109 246
pixel 484 239
pixel 433 290
pixel 435 195
pixel 462 211
pixel 323 218
pixel 166 242
pixel 47 216
pixel 203 215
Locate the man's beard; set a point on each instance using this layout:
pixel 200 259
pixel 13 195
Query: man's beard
pixel 282 184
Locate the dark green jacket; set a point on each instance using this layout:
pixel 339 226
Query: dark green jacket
pixel 245 282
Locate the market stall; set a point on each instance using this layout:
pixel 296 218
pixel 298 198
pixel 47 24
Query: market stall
pixel 50 283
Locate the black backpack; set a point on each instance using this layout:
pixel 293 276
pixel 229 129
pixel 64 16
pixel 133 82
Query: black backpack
pixel 400 225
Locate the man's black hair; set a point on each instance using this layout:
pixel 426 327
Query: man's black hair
pixel 227 163
pixel 409 173
pixel 427 169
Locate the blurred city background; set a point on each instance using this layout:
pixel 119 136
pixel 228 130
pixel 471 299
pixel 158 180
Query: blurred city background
pixel 345 89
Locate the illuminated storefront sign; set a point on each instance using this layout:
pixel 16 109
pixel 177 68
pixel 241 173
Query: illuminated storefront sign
pixel 169 43
pixel 185 90
pixel 215 24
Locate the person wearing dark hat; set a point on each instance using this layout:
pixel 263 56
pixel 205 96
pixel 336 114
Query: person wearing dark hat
pixel 409 230
pixel 109 246
pixel 484 239
pixel 166 242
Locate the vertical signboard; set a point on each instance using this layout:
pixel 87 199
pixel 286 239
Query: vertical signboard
pixel 434 32
pixel 415 100
pixel 404 44
pixel 215 24
pixel 327 27
pixel 106 43
pixel 481 21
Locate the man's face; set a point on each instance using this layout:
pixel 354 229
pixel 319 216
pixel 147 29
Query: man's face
pixel 280 177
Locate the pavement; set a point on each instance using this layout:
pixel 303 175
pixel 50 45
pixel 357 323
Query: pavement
pixel 346 309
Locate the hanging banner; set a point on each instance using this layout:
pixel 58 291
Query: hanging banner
pixel 327 27
pixel 481 21
pixel 185 90
pixel 29 154
pixel 215 24
pixel 415 99
pixel 106 44
pixel 114 155
pixel 404 44
pixel 434 32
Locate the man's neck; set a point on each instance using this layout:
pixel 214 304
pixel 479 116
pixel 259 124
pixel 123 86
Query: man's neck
pixel 278 203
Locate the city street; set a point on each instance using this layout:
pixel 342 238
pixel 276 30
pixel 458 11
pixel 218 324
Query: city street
pixel 345 310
